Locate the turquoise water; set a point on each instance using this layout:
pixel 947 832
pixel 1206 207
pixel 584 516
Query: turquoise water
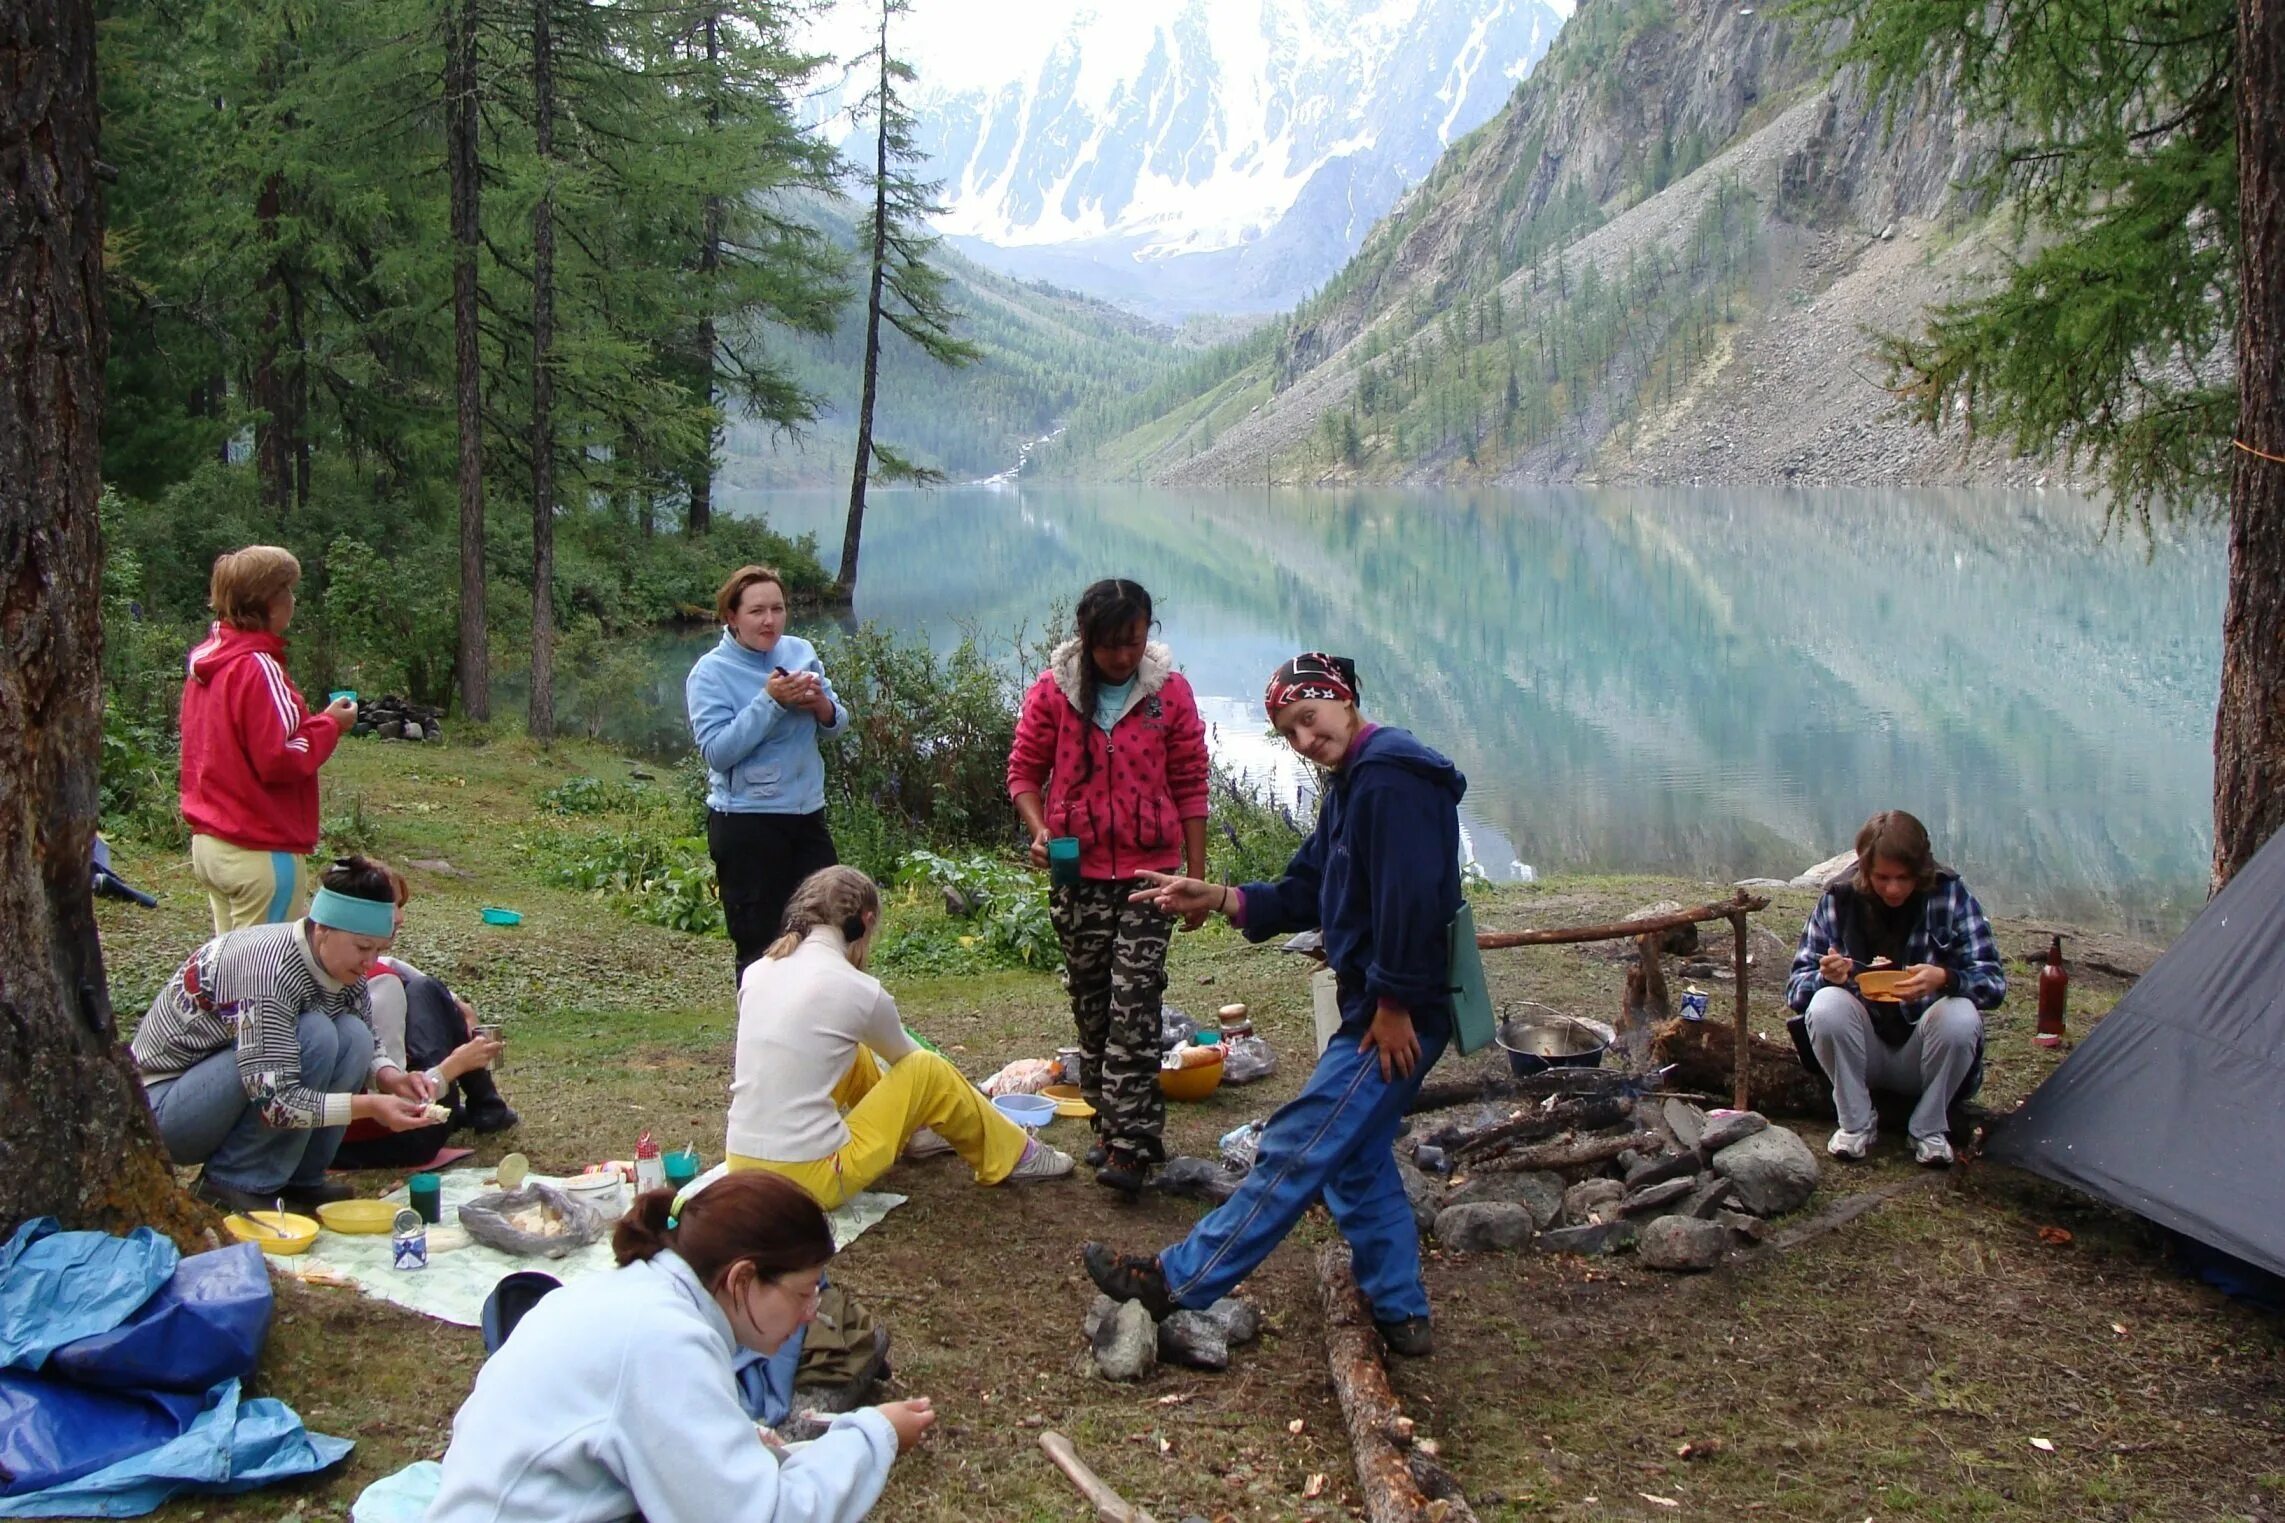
pixel 1717 682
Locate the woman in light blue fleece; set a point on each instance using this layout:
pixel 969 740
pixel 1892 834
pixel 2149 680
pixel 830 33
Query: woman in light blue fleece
pixel 757 702
pixel 614 1397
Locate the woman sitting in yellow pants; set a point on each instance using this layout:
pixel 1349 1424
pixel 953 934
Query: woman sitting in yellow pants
pixel 828 1086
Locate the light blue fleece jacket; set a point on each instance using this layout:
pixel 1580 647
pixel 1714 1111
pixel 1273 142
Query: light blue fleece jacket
pixel 614 1397
pixel 760 758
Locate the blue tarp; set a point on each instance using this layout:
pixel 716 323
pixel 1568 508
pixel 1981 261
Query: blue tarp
pixel 119 1370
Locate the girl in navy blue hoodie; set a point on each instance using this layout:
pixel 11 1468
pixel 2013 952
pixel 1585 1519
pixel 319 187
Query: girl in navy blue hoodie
pixel 1380 877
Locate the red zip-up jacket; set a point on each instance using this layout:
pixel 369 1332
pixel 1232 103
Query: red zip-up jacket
pixel 1148 775
pixel 250 746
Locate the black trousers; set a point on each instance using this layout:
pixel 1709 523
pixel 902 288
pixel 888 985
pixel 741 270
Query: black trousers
pixel 433 1027
pixel 759 860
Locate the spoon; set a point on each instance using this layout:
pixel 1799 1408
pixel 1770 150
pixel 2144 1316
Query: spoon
pixel 279 1205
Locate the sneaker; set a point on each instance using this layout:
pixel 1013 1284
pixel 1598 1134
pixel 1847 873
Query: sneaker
pixel 1128 1277
pixel 493 1115
pixel 1409 1337
pixel 1851 1145
pixel 1040 1161
pixel 230 1198
pixel 1123 1169
pixel 926 1144
pixel 1933 1151
pixel 323 1193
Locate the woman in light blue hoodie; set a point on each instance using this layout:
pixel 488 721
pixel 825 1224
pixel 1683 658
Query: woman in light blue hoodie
pixel 614 1397
pixel 757 702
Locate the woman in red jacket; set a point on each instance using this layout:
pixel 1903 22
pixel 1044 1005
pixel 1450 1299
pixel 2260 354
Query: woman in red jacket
pixel 251 748
pixel 1109 749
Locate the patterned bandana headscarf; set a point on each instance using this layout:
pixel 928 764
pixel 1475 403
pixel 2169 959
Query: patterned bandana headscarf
pixel 1312 674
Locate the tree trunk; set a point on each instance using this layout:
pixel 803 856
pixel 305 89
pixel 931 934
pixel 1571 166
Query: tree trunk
pixel 845 582
pixel 542 713
pixel 272 459
pixel 76 1137
pixel 2249 724
pixel 1380 1435
pixel 475 656
pixel 701 517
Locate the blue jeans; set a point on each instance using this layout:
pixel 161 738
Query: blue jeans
pixel 205 1117
pixel 1336 1138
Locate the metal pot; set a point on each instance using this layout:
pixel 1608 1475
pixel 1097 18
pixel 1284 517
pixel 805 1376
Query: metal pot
pixel 1538 1037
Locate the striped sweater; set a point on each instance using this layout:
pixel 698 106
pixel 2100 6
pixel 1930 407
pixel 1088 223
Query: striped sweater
pixel 249 989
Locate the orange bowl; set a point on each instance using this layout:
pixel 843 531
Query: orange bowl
pixel 1191 1083
pixel 1880 983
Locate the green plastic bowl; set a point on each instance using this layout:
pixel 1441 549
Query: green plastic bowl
pixel 493 915
pixel 340 693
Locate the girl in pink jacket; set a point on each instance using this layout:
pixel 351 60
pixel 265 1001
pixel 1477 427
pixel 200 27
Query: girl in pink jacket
pixel 1109 750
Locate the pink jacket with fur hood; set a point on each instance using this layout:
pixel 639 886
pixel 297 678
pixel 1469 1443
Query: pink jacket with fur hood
pixel 1125 795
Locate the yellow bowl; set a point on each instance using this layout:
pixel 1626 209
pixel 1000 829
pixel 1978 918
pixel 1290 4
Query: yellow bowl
pixel 1880 983
pixel 1191 1083
pixel 274 1231
pixel 358 1216
pixel 1068 1101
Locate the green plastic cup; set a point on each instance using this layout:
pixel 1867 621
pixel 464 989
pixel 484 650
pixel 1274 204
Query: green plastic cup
pixel 1063 861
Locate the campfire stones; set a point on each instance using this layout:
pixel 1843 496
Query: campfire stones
pixel 1654 1171
pixel 398 719
pixel 1422 1193
pixel 1486 1227
pixel 1540 1194
pixel 1584 1199
pixel 1722 1131
pixel 1772 1171
pixel 1196 1340
pixel 1681 1243
pixel 1685 1121
pixel 1711 1193
pixel 1126 1343
pixel 1651 1199
pixel 1594 1238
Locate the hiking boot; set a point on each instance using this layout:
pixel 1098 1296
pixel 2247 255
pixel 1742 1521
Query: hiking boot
pixel 1409 1337
pixel 1933 1151
pixel 230 1198
pixel 1128 1277
pixel 925 1143
pixel 324 1193
pixel 491 1115
pixel 1851 1145
pixel 1123 1169
pixel 1040 1161
pixel 1095 1155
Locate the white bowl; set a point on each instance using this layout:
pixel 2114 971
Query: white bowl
pixel 605 1192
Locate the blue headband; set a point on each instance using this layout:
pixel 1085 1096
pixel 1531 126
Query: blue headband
pixel 359 917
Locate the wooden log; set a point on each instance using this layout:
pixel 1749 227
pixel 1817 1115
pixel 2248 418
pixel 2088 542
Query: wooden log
pixel 1572 1152
pixel 1647 1002
pixel 1109 1506
pixel 1741 1071
pixel 1704 1057
pixel 1369 1407
pixel 1743 903
pixel 1589 1114
pixel 1446 1093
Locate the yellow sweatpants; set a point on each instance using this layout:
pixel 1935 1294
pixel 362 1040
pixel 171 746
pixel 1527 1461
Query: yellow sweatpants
pixel 883 1108
pixel 248 886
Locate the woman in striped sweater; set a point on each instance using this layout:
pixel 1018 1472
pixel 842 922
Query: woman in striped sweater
pixel 255 1055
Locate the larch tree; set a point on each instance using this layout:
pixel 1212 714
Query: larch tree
pixel 76 1138
pixel 2143 149
pixel 902 288
pixel 463 76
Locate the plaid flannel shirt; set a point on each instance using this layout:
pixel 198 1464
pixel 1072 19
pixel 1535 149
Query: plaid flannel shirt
pixel 1953 933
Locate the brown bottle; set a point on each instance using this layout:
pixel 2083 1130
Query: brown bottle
pixel 2054 987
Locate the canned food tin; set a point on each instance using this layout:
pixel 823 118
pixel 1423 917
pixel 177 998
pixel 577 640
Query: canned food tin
pixel 408 1241
pixel 1694 1005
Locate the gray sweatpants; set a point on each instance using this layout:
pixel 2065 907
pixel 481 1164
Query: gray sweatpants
pixel 1939 1054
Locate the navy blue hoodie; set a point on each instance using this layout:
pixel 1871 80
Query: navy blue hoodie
pixel 1380 875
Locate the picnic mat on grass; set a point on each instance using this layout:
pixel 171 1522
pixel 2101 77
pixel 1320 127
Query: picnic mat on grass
pixel 453 1287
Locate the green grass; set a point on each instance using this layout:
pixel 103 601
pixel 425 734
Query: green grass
pixel 1897 1368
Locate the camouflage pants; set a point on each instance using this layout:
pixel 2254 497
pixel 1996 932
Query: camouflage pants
pixel 1114 965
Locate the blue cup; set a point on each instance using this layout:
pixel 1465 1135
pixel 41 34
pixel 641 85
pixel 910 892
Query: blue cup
pixel 1063 861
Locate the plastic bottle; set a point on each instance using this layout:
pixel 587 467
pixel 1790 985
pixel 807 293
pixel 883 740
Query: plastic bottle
pixel 650 1166
pixel 2054 992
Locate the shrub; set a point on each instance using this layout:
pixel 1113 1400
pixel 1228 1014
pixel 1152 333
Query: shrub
pixel 647 873
pixel 1008 920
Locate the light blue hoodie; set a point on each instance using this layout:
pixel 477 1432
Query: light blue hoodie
pixel 760 758
pixel 614 1398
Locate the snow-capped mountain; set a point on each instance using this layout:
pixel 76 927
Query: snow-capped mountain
pixel 1188 155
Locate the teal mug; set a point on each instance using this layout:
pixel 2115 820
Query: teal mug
pixel 1063 861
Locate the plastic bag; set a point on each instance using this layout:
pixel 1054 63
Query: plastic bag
pixel 1247 1058
pixel 516 1221
pixel 1243 1145
pixel 203 1326
pixel 1025 1076
pixel 1175 1027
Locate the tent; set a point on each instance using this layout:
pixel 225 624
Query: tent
pixel 2174 1106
